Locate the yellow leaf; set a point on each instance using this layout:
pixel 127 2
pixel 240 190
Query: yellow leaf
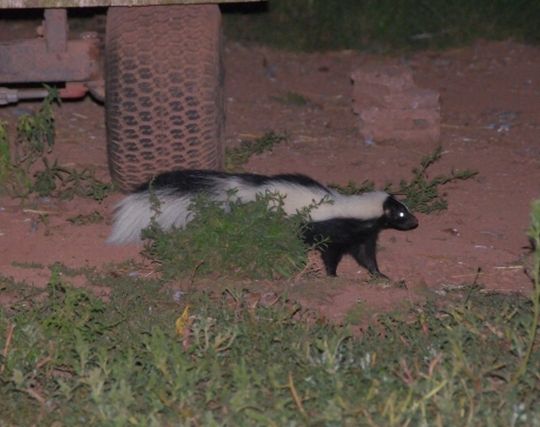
pixel 182 322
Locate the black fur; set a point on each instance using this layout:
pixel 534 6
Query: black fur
pixel 358 238
pixel 201 180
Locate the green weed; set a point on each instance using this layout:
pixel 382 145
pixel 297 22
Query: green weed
pixel 13 176
pixel 35 132
pixel 5 156
pixel 254 239
pixel 61 269
pixel 357 314
pixel 94 217
pixel 34 140
pixel 293 98
pixel 29 265
pixel 236 157
pixel 534 235
pixel 352 188
pixel 421 192
pixel 148 357
pixel 19 171
pixel 66 183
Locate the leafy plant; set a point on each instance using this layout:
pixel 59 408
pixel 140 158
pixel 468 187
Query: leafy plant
pixel 238 156
pixel 83 183
pixel 5 157
pixel 94 217
pixel 254 239
pixel 534 235
pixel 66 183
pixel 45 182
pixel 13 176
pixel 352 188
pixel 34 141
pixel 35 132
pixel 421 192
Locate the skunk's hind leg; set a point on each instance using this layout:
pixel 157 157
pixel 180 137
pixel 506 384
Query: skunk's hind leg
pixel 331 256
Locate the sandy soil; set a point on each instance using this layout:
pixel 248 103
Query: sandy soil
pixel 490 105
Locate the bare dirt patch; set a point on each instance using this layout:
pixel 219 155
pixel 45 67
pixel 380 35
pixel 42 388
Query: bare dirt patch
pixel 490 109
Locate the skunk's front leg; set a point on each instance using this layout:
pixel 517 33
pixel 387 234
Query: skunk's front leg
pixel 365 254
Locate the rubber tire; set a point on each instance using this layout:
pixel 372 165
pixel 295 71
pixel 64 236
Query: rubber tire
pixel 164 91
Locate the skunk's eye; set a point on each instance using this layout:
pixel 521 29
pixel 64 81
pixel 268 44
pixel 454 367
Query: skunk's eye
pixel 400 215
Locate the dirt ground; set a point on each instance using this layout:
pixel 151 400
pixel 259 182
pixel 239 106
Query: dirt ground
pixel 490 107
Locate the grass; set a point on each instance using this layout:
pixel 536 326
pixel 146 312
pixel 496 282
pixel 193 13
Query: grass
pixel 5 157
pixel 155 356
pixel 293 99
pixel 28 265
pixel 94 217
pixel 381 25
pixel 254 240
pixel 534 235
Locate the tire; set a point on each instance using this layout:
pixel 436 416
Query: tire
pixel 164 91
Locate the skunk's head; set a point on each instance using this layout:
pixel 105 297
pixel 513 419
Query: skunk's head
pixel 396 215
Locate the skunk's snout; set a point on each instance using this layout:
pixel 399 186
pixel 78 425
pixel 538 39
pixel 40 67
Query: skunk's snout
pixel 412 223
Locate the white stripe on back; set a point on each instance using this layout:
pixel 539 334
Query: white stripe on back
pixel 135 212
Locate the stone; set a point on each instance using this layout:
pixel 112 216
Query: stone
pixel 390 106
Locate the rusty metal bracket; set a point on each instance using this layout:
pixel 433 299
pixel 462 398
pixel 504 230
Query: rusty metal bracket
pixel 52 58
pixel 55 30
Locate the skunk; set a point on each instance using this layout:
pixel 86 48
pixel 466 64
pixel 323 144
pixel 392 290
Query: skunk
pixel 345 224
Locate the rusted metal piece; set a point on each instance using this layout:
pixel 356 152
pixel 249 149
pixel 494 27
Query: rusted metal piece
pixel 73 90
pixel 97 89
pixel 70 91
pixel 55 30
pixel 51 58
pixel 30 61
pixel 26 4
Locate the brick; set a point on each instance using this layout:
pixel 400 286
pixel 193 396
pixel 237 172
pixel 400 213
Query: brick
pixel 391 107
pixel 394 77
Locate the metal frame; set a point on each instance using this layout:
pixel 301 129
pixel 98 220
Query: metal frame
pixel 54 58
pixel 51 58
pixel 40 4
